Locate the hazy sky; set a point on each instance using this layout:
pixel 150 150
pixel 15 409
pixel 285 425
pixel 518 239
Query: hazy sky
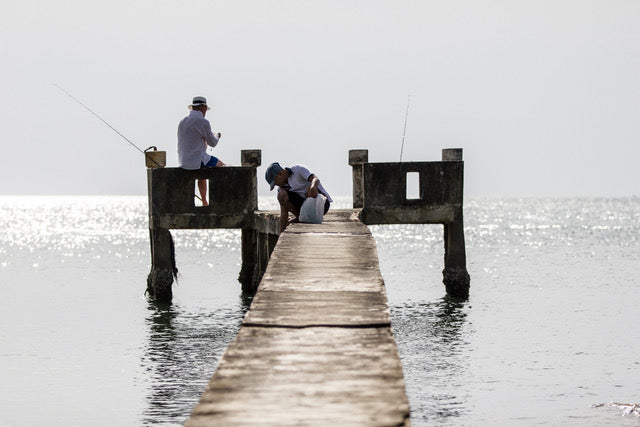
pixel 544 96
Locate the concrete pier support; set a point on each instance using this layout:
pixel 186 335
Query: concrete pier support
pixel 163 265
pixel 380 190
pixel 455 276
pixel 258 239
pixel 456 279
pixel 256 251
pixel 247 272
pixel 250 256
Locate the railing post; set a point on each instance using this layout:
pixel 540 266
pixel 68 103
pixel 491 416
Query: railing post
pixel 251 158
pixel 356 159
pixel 452 154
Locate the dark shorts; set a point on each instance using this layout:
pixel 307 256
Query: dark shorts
pixel 213 161
pixel 297 201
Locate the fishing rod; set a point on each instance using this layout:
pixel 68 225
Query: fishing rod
pixel 106 123
pixel 111 127
pixel 404 131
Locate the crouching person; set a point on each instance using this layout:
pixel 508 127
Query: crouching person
pixel 295 184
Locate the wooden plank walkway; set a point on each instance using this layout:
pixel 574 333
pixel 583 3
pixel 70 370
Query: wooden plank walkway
pixel 315 347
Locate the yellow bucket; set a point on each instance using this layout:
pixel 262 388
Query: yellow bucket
pixel 155 158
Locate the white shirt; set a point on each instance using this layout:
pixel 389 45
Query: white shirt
pixel 194 134
pixel 299 181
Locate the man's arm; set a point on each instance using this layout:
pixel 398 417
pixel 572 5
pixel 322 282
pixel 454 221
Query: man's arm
pixel 210 137
pixel 312 190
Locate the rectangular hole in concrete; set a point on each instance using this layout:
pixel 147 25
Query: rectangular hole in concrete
pixel 413 185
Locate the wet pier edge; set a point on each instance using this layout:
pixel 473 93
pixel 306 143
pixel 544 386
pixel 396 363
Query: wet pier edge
pixel 315 347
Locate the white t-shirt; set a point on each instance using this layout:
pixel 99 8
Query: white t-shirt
pixel 299 181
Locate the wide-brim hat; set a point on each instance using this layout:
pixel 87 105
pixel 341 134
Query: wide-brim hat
pixel 199 101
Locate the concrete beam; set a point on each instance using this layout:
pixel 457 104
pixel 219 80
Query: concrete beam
pixel 200 220
pixel 440 214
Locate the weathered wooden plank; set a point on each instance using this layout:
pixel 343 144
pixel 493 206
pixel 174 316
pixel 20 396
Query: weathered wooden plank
pixel 318 308
pixel 311 376
pixel 324 262
pixel 322 274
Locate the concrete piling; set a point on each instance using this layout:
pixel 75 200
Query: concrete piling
pixel 455 276
pixel 163 263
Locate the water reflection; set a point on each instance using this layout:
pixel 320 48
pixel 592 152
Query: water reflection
pixel 182 352
pixel 433 343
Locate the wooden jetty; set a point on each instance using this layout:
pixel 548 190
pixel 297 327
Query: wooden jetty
pixel 315 347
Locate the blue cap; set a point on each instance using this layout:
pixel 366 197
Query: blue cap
pixel 271 173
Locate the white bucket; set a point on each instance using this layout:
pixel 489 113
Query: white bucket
pixel 312 209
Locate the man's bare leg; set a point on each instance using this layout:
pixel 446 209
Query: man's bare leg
pixel 285 207
pixel 202 187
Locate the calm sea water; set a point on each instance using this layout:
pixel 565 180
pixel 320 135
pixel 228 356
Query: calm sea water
pixel 549 333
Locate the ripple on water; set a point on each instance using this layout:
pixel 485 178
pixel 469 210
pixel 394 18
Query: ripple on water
pixel 432 342
pixel 183 349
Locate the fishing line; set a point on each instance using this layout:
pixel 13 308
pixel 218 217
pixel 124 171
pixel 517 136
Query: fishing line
pixel 106 123
pixel 101 119
pixel 404 131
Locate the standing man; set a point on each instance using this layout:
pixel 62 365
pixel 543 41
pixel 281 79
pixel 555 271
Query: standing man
pixel 194 135
pixel 294 185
